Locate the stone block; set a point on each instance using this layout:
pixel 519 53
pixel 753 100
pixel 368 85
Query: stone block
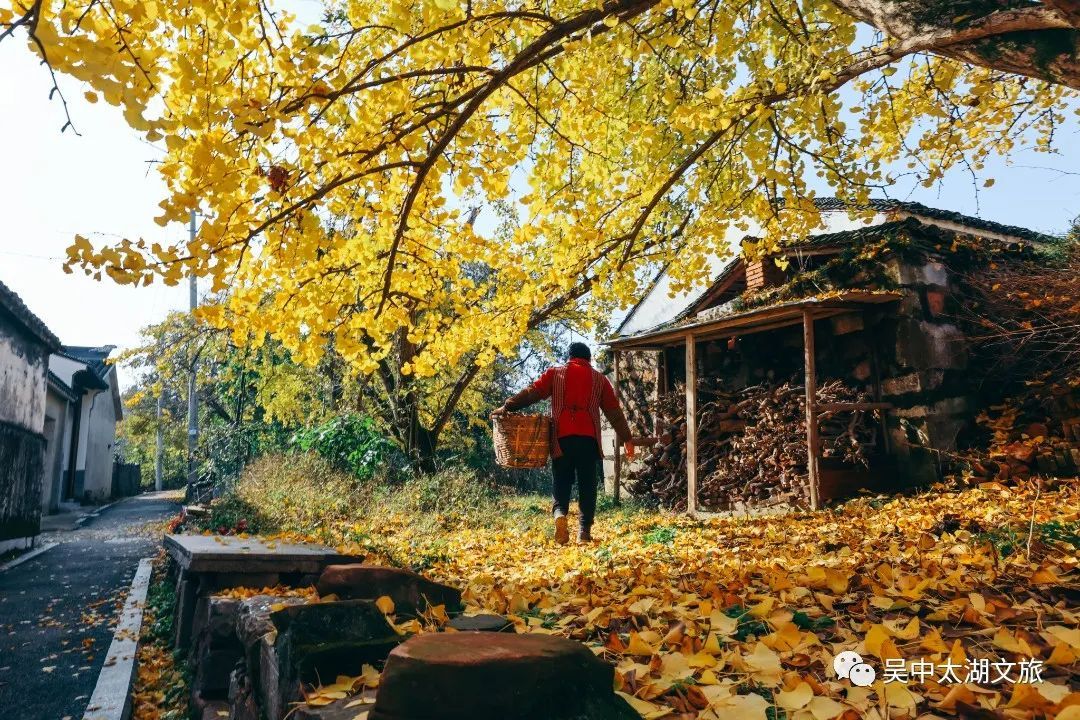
pixel 910 306
pixel 903 385
pixel 184 614
pixel 321 640
pixel 216 710
pixel 481 623
pixel 268 684
pixel 256 634
pixel 942 432
pixel 249 555
pixel 960 405
pixel 847 323
pixel 468 675
pixel 924 345
pixel 915 411
pixel 892 269
pixel 212 671
pixel 931 273
pixel 242 696
pixel 935 302
pixel 409 591
pixel 214 622
pixel 253 617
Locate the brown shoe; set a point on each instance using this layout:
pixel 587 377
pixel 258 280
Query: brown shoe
pixel 584 535
pixel 562 533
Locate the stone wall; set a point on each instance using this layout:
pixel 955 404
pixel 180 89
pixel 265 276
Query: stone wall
pixel 23 364
pixel 22 456
pixel 22 419
pixel 925 361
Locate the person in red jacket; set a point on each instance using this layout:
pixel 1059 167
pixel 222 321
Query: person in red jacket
pixel 578 395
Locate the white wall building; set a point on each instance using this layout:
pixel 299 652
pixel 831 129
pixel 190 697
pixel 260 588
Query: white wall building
pixel 85 391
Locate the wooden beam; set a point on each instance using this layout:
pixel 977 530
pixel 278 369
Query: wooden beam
pixel 691 424
pixel 617 490
pixel 810 368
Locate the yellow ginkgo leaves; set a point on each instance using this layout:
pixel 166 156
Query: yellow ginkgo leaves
pixel 459 173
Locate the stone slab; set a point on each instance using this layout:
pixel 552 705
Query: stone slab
pixel 481 623
pixel 231 554
pixel 409 591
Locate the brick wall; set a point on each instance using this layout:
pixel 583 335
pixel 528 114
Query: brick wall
pixel 762 273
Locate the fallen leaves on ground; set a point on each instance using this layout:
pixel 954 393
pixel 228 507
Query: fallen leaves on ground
pixel 741 617
pixel 243 593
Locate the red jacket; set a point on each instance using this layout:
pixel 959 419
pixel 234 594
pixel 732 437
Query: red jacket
pixel 578 394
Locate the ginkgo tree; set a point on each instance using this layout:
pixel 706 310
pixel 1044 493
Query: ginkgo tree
pixel 335 163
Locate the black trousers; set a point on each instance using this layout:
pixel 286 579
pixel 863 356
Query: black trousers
pixel 580 456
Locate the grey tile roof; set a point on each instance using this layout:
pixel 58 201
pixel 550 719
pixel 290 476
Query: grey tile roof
pixel 870 233
pixel 62 387
pixel 14 306
pixel 914 208
pixel 93 357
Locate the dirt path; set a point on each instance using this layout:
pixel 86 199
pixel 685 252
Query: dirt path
pixel 56 611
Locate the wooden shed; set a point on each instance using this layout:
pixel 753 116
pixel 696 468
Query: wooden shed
pixel 870 305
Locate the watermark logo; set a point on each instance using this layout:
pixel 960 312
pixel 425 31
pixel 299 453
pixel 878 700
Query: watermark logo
pixel 850 665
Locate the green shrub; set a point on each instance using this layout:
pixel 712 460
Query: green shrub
pixel 352 443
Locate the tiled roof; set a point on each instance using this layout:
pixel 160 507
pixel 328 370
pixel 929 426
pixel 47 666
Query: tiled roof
pixel 93 357
pixel 870 233
pixel 60 385
pixel 885 204
pixel 17 308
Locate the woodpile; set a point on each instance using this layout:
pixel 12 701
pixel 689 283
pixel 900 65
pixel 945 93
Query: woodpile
pixel 1037 433
pixel 751 445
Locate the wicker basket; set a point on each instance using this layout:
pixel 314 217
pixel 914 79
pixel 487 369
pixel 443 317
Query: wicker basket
pixel 521 441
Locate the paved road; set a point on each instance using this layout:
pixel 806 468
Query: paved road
pixel 56 611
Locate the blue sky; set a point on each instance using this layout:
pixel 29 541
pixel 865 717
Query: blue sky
pixel 102 184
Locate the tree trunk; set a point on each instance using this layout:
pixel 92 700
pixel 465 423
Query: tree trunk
pixel 1037 40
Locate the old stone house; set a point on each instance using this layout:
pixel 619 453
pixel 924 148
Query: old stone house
pixel 85 391
pixel 870 299
pixel 25 344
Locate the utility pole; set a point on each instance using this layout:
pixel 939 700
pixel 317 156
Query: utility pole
pixel 159 483
pixel 193 415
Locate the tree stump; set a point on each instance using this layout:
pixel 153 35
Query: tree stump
pixel 471 675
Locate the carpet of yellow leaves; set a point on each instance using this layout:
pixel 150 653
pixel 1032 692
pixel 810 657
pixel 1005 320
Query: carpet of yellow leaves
pixel 740 617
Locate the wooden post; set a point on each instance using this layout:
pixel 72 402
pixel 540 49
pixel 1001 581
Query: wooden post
pixel 691 424
pixel 885 440
pixel 811 409
pixel 617 490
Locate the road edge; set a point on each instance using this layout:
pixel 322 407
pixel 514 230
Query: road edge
pixel 79 522
pixel 111 699
pixel 28 555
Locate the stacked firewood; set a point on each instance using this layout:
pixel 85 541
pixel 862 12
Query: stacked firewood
pixel 751 445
